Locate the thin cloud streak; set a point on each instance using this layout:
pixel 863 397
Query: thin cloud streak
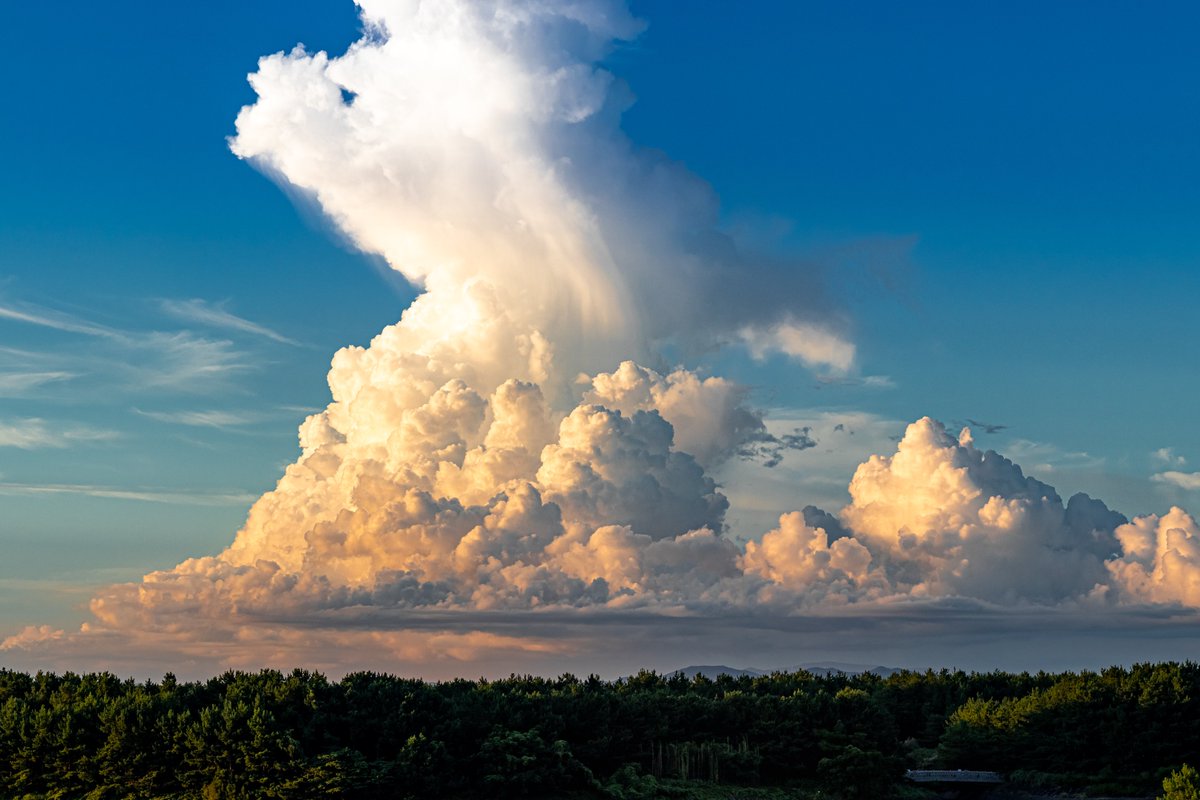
pixel 166 496
pixel 46 318
pixel 866 382
pixel 221 420
pixel 35 434
pixel 185 360
pixel 180 360
pixel 205 313
pixel 15 384
pixel 1044 457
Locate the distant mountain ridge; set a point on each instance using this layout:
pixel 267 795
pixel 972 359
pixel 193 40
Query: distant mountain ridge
pixel 819 668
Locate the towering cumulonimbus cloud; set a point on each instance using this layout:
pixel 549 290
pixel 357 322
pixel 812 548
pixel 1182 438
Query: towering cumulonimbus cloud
pixel 502 450
pixel 476 147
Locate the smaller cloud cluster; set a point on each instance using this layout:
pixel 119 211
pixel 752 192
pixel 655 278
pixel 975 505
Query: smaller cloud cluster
pixel 1160 561
pixel 1166 456
pixel 1189 481
pixel 949 519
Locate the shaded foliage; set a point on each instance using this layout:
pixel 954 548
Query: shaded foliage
pixel 300 735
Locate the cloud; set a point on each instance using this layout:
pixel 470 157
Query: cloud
pixel 215 315
pixel 1161 559
pixel 202 419
pixel 489 149
pixel 1045 457
pixel 803 559
pixel 710 417
pixel 950 519
pixel 770 448
pixel 988 427
pixel 47 318
pixel 609 469
pixel 810 476
pixel 33 434
pixel 810 344
pixel 180 361
pixel 140 494
pixel 19 384
pixel 499 475
pixel 31 636
pixel 1182 480
pixel 615 521
pixel 867 381
pixel 184 362
pixel 1167 455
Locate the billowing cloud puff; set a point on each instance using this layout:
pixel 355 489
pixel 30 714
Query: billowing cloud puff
pixel 949 519
pixel 608 469
pixel 1161 559
pixel 709 415
pixel 802 559
pixel 808 343
pixel 638 569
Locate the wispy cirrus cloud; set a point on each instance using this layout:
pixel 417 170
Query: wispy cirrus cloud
pixel 1046 457
pixel 56 320
pixel 184 361
pixel 203 419
pixel 178 360
pixel 23 372
pixel 217 316
pixel 140 494
pixel 865 381
pixel 17 384
pixel 35 434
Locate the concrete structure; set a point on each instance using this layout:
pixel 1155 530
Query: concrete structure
pixel 952 776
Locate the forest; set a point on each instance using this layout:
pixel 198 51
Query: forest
pixel 1117 732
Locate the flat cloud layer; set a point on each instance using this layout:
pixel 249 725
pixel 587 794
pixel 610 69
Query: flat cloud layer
pixel 498 482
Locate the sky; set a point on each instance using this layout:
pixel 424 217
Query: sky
pixel 812 225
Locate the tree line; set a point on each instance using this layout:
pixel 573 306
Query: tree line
pixel 268 734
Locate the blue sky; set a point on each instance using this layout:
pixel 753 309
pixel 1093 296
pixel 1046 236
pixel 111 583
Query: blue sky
pixel 1039 162
pixel 1004 198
